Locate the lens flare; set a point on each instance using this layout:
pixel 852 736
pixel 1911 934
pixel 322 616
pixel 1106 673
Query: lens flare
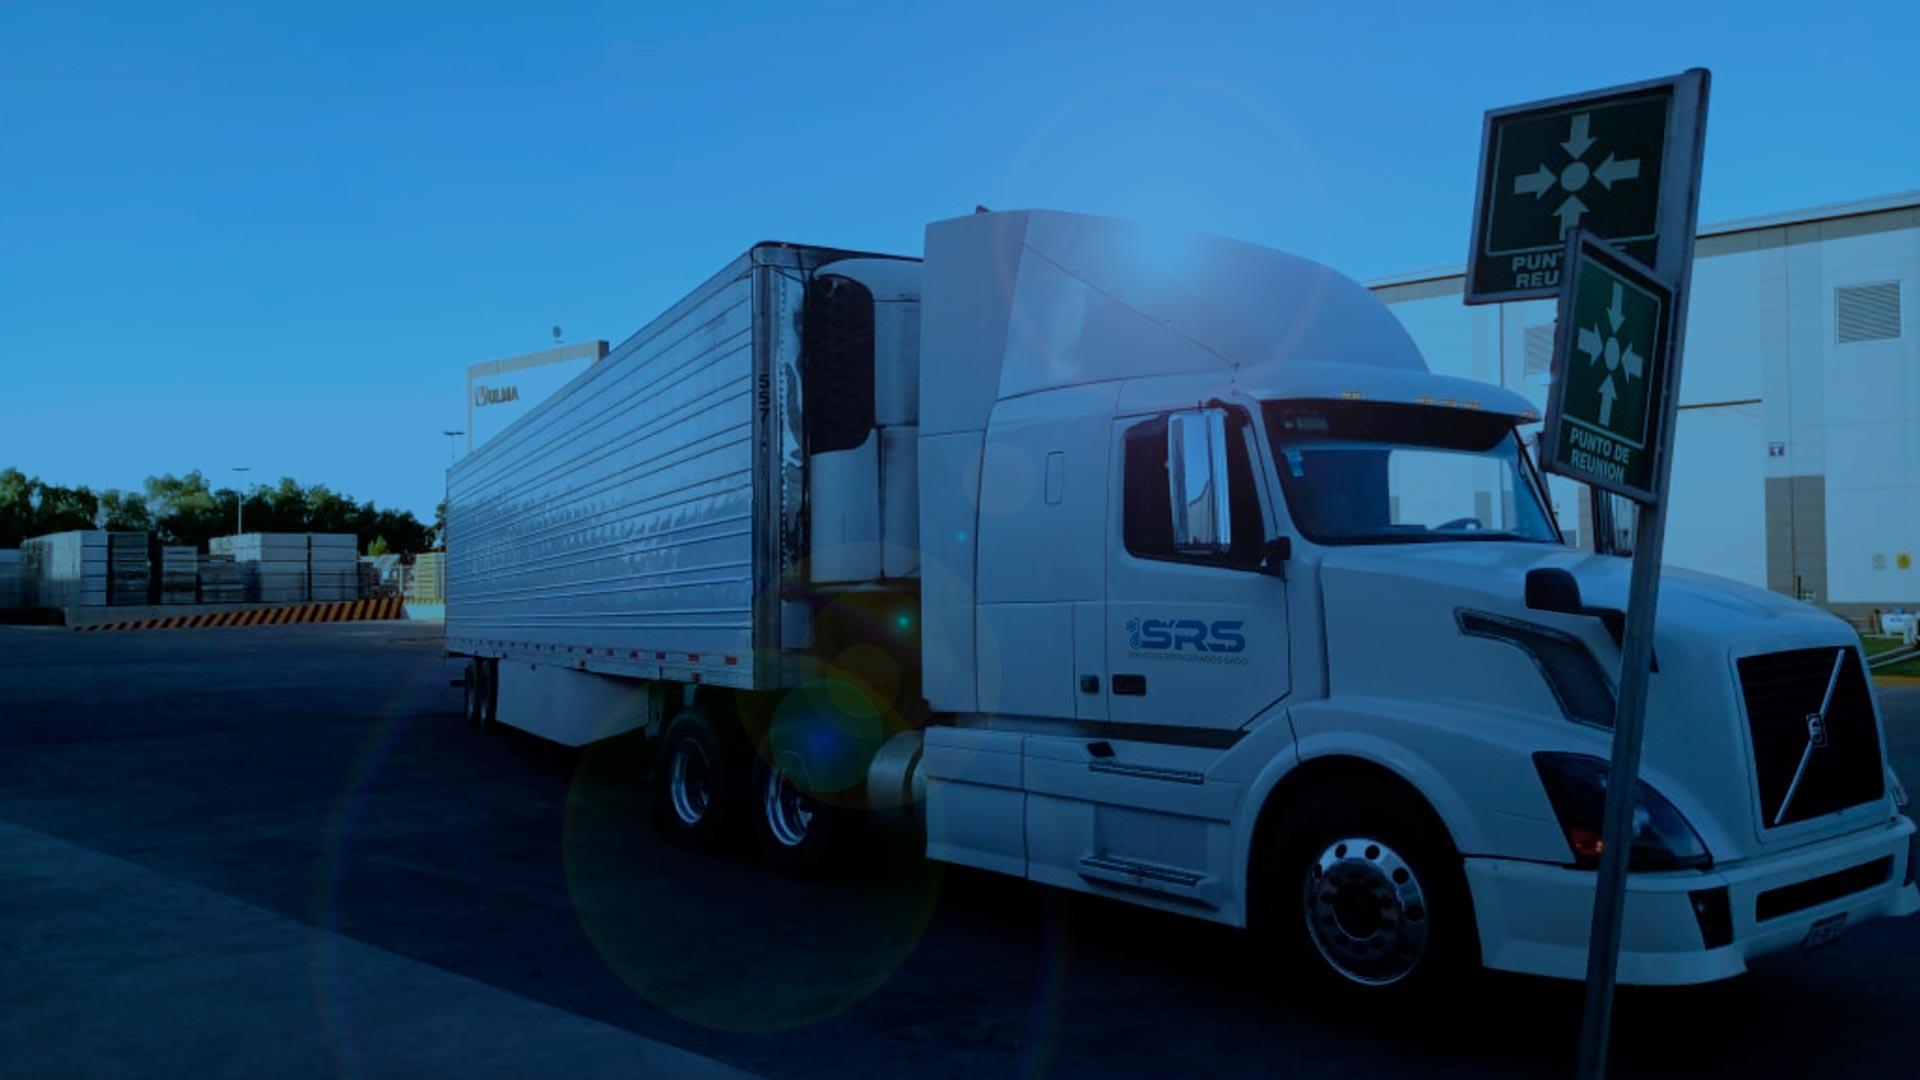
pixel 422 694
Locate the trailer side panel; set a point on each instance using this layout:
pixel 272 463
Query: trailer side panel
pixel 612 528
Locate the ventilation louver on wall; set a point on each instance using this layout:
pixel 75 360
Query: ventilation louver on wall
pixel 1867 312
pixel 1537 348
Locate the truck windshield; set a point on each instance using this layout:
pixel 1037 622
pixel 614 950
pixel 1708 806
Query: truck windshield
pixel 1375 473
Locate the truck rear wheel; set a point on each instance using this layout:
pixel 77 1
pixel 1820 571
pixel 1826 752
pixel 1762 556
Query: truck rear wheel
pixel 696 784
pixel 798 833
pixel 1366 896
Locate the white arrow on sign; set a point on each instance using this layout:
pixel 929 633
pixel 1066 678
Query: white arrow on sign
pixel 1591 343
pixel 1569 213
pixel 1536 184
pixel 1614 315
pixel 1577 138
pixel 1610 170
pixel 1607 393
pixel 1632 361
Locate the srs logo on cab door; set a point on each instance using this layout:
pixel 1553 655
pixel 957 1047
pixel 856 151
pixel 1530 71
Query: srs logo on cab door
pixel 1193 640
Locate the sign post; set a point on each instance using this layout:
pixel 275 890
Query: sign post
pixel 1594 199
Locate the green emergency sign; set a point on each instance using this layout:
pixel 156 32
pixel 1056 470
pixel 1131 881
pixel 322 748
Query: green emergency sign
pixel 1596 162
pixel 1610 369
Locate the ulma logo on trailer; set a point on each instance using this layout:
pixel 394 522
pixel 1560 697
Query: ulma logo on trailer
pixel 486 395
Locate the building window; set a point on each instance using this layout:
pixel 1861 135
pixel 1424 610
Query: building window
pixel 1537 348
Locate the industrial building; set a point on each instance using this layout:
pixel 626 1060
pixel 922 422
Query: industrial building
pixel 1797 457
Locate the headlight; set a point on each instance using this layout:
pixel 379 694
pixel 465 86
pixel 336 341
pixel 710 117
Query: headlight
pixel 1577 787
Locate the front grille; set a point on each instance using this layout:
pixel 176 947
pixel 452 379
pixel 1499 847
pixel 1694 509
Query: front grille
pixel 1783 691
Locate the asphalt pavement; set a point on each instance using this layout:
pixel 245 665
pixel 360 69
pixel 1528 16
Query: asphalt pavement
pixel 278 851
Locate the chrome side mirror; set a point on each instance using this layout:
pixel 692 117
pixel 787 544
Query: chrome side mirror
pixel 1197 481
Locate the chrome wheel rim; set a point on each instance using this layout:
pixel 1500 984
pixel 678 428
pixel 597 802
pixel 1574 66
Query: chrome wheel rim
pixel 688 782
pixel 789 811
pixel 1366 911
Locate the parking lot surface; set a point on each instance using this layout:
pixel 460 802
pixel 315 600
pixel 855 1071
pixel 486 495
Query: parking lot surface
pixel 278 851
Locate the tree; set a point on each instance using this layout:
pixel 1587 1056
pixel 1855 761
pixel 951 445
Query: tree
pixel 123 511
pixel 378 547
pixel 62 509
pixel 29 506
pixel 16 507
pixel 185 510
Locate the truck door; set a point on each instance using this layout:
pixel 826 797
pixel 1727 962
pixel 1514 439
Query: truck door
pixel 1196 634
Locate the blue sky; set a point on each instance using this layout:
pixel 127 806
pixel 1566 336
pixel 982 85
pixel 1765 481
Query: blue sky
pixel 274 235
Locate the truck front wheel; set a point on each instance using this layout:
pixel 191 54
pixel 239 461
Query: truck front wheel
pixel 1367 896
pixel 696 787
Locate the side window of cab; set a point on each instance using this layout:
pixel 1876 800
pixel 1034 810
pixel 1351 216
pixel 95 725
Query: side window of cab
pixel 1147 502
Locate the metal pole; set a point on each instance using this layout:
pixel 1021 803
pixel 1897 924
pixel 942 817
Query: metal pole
pixel 1623 782
pixel 240 504
pixel 1681 224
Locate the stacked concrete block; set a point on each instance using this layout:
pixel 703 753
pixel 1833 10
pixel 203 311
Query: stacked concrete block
pixel 9 578
pixel 273 566
pixel 66 569
pixel 179 575
pixel 220 580
pixel 129 572
pixel 428 582
pixel 333 562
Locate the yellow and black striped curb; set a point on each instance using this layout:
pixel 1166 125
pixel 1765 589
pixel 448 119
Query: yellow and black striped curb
pixel 389 607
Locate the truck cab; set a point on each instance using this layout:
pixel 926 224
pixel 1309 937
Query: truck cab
pixel 1234 609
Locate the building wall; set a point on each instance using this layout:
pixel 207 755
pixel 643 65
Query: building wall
pixel 1797 458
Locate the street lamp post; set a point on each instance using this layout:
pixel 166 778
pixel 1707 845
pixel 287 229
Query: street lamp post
pixel 240 504
pixel 451 435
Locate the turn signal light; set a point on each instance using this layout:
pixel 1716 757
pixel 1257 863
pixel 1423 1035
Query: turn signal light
pixel 1577 788
pixel 1586 844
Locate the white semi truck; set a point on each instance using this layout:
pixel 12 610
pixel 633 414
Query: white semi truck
pixel 1158 567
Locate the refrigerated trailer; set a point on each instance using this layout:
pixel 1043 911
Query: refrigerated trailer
pixel 1159 567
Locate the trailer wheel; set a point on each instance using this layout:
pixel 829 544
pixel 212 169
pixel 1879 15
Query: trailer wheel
pixel 797 833
pixel 1364 893
pixel 696 784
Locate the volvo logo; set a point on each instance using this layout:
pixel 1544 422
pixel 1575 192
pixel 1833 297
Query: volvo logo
pixel 1817 730
pixel 1816 735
